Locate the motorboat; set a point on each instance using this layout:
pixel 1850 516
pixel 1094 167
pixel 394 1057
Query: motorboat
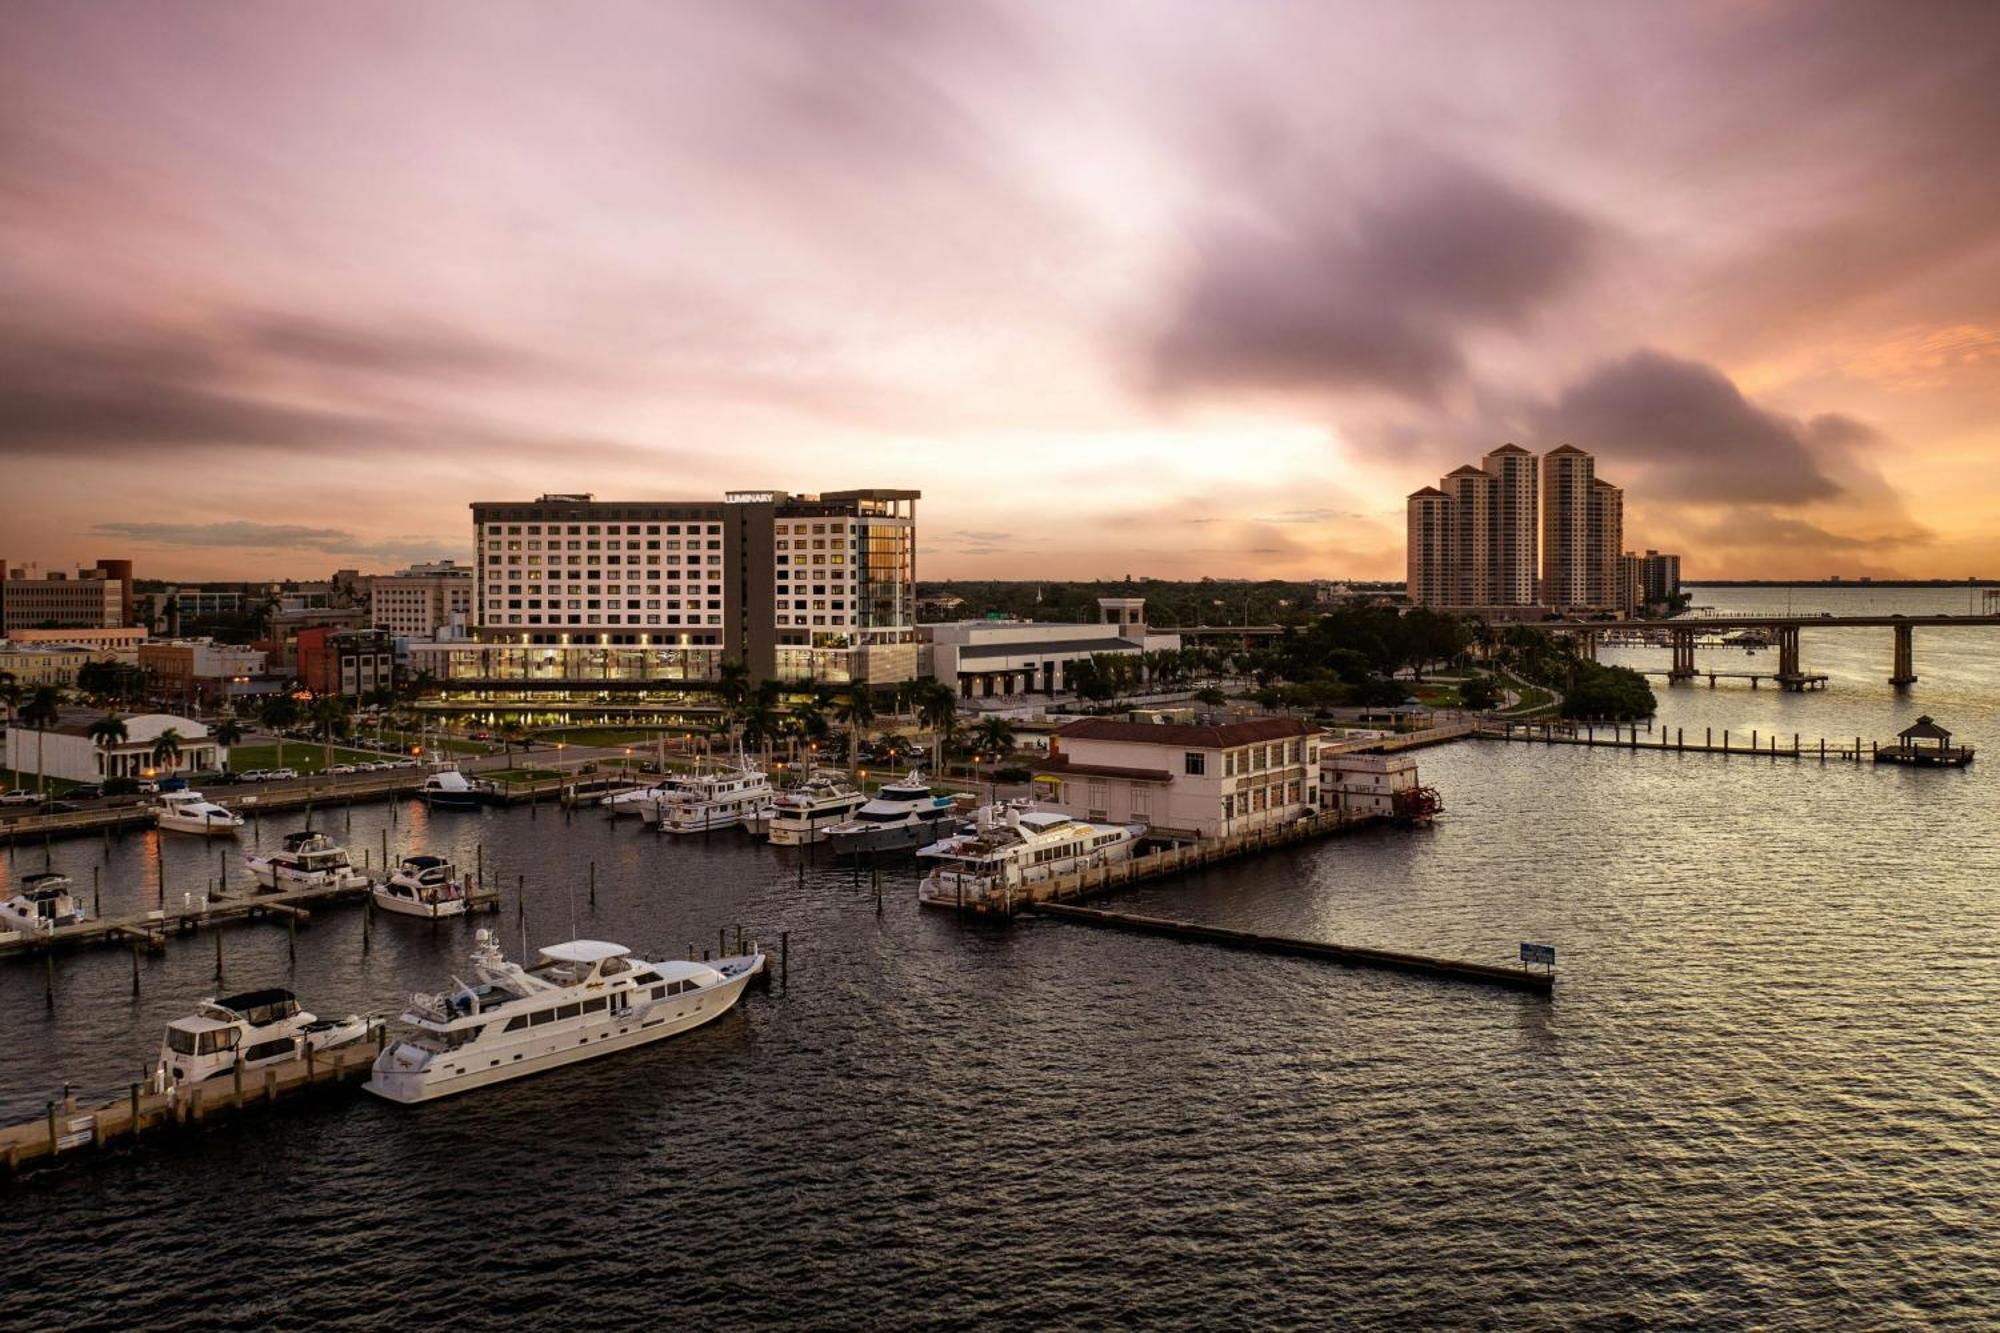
pixel 641 801
pixel 191 812
pixel 723 798
pixel 254 1028
pixel 583 999
pixel 803 814
pixel 43 902
pixel 426 886
pixel 308 860
pixel 1005 850
pixel 904 815
pixel 449 789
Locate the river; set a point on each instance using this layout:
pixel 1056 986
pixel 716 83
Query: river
pixel 1764 1093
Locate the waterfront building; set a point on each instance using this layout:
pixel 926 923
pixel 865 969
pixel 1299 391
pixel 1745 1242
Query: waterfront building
pixel 1365 786
pixel 1432 556
pixel 200 671
pixel 1003 659
pixel 1568 506
pixel 1660 577
pixel 1473 494
pixel 432 601
pixel 348 663
pixel 1514 557
pixel 68 754
pixel 1186 780
pixel 99 597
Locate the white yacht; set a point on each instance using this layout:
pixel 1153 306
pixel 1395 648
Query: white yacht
pixel 725 798
pixel 258 1027
pixel 1005 849
pixel 641 801
pixel 426 886
pixel 583 999
pixel 904 815
pixel 190 812
pixel 308 860
pixel 449 789
pixel 42 903
pixel 803 814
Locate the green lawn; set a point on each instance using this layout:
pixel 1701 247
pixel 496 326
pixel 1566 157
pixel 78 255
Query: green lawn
pixel 433 741
pixel 12 778
pixel 607 736
pixel 307 757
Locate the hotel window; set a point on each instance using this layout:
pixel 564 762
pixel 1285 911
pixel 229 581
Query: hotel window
pixel 1194 763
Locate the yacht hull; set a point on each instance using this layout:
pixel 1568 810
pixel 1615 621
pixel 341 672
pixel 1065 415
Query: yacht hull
pixel 893 837
pixel 410 907
pixel 603 1034
pixel 207 828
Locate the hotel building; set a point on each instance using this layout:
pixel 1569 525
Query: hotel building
pixel 96 598
pixel 579 601
pixel 423 601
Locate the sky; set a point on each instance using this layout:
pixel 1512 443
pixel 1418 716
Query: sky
pixel 1148 287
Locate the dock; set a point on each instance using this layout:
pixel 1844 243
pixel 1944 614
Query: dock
pixel 151 930
pixel 67 1133
pixel 1628 736
pixel 317 794
pixel 1513 978
pixel 1794 681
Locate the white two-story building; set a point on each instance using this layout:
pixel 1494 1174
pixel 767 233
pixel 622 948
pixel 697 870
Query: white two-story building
pixel 1191 780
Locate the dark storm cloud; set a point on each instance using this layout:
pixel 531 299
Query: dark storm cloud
pixel 1691 432
pixel 1313 290
pixel 1760 528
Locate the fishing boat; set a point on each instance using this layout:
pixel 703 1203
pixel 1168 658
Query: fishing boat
pixel 583 999
pixel 721 799
pixel 1005 850
pixel 803 814
pixel 190 812
pixel 425 886
pixel 449 789
pixel 43 902
pixel 308 860
pixel 904 815
pixel 253 1028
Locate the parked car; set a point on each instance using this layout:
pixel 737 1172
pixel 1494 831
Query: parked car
pixel 18 796
pixel 252 775
pixel 148 787
pixel 343 769
pixel 87 792
pixel 281 774
pixel 171 784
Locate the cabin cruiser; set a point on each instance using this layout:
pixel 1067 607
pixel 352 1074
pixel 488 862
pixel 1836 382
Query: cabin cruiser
pixel 904 815
pixel 1006 849
pixel 190 812
pixel 424 886
pixel 804 813
pixel 585 998
pixel 308 860
pixel 722 799
pixel 449 789
pixel 42 903
pixel 258 1027
pixel 641 801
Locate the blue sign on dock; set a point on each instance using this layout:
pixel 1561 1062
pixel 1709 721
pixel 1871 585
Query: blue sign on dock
pixel 1538 953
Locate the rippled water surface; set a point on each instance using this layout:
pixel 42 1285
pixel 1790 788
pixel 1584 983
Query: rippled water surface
pixel 1765 1091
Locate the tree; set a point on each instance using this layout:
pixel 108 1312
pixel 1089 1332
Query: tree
pixel 1211 696
pixel 10 693
pixel 42 711
pixel 937 708
pixel 854 709
pixel 278 712
pixel 513 732
pixel 106 732
pixel 996 734
pixel 1479 693
pixel 732 683
pixel 760 718
pixel 167 749
pixel 226 732
pixel 329 721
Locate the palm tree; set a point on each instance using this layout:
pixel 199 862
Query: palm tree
pixel 997 735
pixel 167 749
pixel 513 732
pixel 854 709
pixel 937 706
pixel 732 682
pixel 277 712
pixel 104 733
pixel 329 720
pixel 42 711
pixel 760 723
pixel 226 732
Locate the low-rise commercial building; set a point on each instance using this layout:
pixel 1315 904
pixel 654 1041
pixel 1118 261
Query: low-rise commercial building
pixel 349 663
pixel 986 659
pixel 1200 780
pixel 31 666
pixel 68 754
pixel 94 598
pixel 423 602
pixel 200 671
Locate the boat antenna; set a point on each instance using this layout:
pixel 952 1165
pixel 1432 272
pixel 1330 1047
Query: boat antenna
pixel 572 910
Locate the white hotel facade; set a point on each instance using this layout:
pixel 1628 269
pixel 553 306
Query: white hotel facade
pixel 580 601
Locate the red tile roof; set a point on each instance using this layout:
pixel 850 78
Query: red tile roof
pixel 1209 737
pixel 1059 765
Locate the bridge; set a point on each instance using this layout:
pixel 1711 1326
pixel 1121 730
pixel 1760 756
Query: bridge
pixel 1785 630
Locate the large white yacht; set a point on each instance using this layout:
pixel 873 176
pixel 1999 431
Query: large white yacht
pixel 904 815
pixel 191 812
pixel 1006 849
pixel 583 999
pixel 307 860
pixel 426 886
pixel 804 813
pixel 725 798
pixel 42 903
pixel 258 1027
pixel 641 801
pixel 449 789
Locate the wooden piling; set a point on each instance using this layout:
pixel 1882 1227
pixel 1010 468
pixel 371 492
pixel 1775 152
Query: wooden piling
pixel 785 958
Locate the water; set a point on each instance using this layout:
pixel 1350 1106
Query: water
pixel 1765 1092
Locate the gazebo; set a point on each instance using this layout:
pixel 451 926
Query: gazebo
pixel 1925 742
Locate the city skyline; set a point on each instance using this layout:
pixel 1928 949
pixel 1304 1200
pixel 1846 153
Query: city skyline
pixel 1120 290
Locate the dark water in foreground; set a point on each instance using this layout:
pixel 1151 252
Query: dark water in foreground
pixel 1766 1092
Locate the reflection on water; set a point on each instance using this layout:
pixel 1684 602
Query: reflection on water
pixel 1764 1092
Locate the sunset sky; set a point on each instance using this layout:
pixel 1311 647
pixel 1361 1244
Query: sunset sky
pixel 1151 287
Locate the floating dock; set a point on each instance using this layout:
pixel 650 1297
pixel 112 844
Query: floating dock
pixel 66 1133
pixel 1538 983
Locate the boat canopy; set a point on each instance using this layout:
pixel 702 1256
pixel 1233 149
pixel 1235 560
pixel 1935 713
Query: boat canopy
pixel 423 862
pixel 583 951
pixel 45 879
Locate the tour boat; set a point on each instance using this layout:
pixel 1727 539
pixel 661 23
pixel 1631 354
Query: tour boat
pixel 189 812
pixel 450 789
pixel 803 814
pixel 308 860
pixel 584 999
pixel 1006 849
pixel 258 1027
pixel 904 815
pixel 425 886
pixel 641 801
pixel 42 903
pixel 725 798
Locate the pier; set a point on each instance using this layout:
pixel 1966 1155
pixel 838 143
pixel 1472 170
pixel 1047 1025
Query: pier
pixel 1796 682
pixel 1682 634
pixel 66 1132
pixel 1513 978
pixel 1627 736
